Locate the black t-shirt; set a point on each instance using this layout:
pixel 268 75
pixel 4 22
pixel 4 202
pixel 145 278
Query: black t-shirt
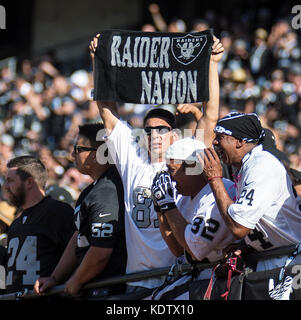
pixel 3 258
pixel 99 217
pixel 36 241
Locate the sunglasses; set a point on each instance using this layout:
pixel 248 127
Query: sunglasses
pixel 78 149
pixel 159 129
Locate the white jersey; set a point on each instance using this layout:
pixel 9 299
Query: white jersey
pixel 266 202
pixel 145 246
pixel 206 234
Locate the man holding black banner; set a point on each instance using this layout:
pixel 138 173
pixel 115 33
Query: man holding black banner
pixel 137 167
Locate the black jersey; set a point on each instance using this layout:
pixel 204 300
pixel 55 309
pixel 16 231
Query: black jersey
pixel 99 217
pixel 36 241
pixel 3 258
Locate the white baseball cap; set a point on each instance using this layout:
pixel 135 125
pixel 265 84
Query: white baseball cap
pixel 185 149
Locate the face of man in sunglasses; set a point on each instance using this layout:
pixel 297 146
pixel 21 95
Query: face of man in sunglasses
pixel 159 138
pixel 84 155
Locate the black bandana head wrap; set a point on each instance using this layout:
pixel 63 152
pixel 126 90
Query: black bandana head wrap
pixel 244 126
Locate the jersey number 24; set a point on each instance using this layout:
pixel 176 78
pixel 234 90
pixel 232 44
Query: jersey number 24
pixel 26 260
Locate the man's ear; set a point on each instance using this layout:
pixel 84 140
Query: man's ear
pixel 239 143
pixel 176 134
pixel 92 156
pixel 29 183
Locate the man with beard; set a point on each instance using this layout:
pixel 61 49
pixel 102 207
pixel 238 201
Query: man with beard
pixel 38 236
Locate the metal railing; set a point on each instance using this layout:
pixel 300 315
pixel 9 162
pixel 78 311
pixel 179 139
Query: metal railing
pixel 177 270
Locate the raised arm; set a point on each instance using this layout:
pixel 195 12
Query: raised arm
pixel 211 108
pixel 213 172
pixel 158 20
pixel 107 110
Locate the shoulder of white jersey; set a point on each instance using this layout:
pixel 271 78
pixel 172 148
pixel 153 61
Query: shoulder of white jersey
pixel 265 163
pixel 135 132
pixel 120 127
pixel 125 124
pixel 265 158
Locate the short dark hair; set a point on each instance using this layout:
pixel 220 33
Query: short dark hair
pixel 90 131
pixel 29 166
pixel 162 114
pixel 296 176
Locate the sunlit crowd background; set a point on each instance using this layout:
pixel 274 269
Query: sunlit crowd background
pixel 43 101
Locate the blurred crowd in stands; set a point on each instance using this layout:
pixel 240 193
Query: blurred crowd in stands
pixel 42 104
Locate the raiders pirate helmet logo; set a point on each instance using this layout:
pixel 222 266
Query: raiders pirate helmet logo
pixel 158 195
pixel 186 49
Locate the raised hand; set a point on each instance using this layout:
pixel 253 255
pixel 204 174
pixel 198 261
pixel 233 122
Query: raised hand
pixel 190 108
pixel 93 45
pixel 217 50
pixel 212 165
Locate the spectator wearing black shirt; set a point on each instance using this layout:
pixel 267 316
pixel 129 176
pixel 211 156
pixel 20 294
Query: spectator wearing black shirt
pixel 38 236
pixel 97 250
pixel 3 253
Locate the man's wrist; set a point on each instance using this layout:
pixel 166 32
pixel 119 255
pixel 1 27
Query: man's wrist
pixel 214 177
pixel 54 279
pixel 197 114
pixel 213 62
pixel 167 206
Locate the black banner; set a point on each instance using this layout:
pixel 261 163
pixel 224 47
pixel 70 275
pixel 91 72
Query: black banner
pixel 152 67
